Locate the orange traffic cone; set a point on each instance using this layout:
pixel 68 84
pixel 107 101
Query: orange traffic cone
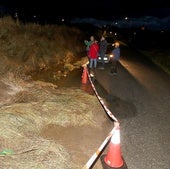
pixel 113 159
pixel 84 75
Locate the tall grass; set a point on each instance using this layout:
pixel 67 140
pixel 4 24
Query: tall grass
pixel 31 46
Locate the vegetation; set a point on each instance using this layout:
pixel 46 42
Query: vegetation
pixel 31 47
pixel 29 107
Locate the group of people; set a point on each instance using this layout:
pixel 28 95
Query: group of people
pixel 95 48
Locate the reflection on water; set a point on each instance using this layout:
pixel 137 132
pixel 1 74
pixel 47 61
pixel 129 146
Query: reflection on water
pixel 72 80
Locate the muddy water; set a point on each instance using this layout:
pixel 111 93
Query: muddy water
pixel 72 80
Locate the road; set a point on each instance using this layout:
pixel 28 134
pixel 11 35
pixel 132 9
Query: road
pixel 139 97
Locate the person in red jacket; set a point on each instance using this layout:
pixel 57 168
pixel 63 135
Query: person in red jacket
pixel 93 54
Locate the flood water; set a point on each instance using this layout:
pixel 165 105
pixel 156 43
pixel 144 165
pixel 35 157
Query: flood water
pixel 73 80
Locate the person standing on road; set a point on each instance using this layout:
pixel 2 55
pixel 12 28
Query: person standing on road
pixel 102 49
pixel 93 55
pixel 88 43
pixel 115 58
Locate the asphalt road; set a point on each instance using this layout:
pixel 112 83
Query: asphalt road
pixel 139 97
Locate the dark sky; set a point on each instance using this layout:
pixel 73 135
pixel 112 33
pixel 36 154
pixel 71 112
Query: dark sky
pixel 92 8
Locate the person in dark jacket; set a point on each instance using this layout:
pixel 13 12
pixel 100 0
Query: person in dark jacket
pixel 102 49
pixel 115 58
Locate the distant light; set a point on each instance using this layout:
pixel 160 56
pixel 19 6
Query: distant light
pixel 110 32
pixel 116 23
pixel 134 33
pixel 115 34
pixel 143 28
pixel 34 16
pixel 126 18
pixel 62 20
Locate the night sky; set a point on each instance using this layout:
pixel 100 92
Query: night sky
pixel 155 14
pixel 92 8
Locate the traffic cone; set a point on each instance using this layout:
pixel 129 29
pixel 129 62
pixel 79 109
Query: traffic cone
pixel 87 88
pixel 84 75
pixel 113 159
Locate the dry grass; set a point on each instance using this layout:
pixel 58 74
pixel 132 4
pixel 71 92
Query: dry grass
pixel 31 47
pixel 40 104
pixel 28 106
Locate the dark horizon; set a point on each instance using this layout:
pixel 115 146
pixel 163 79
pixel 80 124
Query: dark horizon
pixel 89 8
pixel 51 12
